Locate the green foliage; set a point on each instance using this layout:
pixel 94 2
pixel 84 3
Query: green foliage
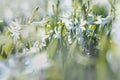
pixel 53 47
pixel 6 50
pixel 100 10
pixel 77 45
pixel 73 48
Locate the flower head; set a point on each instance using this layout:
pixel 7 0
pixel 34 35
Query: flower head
pixel 15 29
pixel 102 21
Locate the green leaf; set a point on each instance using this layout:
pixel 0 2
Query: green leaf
pixel 100 10
pixel 52 48
pixel 73 47
pixel 8 33
pixel 7 48
pixel 71 54
pixel 63 31
pixel 93 27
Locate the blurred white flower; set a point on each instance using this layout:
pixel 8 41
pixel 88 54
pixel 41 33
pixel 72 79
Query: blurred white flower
pixel 57 33
pixel 15 29
pixel 102 21
pixel 37 63
pixel 34 49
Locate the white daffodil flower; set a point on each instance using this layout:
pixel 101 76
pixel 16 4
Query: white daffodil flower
pixel 15 29
pixel 102 21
